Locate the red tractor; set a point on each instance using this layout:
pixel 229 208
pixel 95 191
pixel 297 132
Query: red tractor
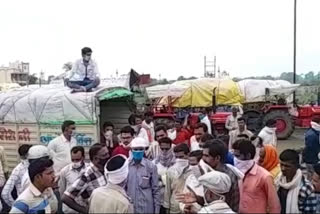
pixel 257 114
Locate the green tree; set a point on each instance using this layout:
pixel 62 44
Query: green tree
pixel 33 79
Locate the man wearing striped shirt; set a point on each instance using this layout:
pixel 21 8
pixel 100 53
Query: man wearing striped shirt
pixel 34 199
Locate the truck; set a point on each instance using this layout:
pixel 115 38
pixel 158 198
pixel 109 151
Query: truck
pixel 33 115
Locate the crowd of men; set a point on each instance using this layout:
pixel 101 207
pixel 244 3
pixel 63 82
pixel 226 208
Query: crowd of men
pixel 164 169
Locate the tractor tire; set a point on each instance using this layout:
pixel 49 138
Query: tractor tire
pixel 284 122
pixel 253 119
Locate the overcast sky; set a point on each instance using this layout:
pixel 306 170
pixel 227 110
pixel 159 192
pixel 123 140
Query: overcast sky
pixel 171 37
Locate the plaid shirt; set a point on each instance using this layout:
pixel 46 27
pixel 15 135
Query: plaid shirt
pixel 233 196
pixel 14 181
pixel 307 200
pixel 84 185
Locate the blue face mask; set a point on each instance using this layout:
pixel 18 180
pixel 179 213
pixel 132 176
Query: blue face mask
pixel 137 155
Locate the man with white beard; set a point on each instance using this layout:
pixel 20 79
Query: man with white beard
pixel 268 133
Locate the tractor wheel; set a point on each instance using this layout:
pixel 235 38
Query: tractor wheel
pixel 285 124
pixel 253 119
pixel 168 122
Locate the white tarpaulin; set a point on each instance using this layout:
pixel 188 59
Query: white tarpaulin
pixel 255 90
pixel 52 104
pixel 173 90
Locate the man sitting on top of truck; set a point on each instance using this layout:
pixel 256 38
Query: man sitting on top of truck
pixel 84 75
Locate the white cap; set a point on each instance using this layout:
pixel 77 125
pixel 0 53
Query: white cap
pixel 139 142
pixel 216 182
pixel 38 151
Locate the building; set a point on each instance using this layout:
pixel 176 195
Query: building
pixel 16 72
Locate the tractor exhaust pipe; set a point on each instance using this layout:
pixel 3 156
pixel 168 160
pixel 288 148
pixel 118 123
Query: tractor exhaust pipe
pixel 214 101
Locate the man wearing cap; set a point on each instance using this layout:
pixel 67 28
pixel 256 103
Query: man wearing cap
pixel 143 177
pixel 215 184
pixel 116 172
pixel 36 153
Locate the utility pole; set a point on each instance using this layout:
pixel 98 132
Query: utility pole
pixel 294 45
pixel 209 67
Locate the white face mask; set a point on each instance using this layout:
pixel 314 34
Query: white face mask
pixel 76 165
pixel 182 162
pixel 243 165
pixel 108 134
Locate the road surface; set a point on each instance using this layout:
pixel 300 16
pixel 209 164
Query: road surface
pixel 296 141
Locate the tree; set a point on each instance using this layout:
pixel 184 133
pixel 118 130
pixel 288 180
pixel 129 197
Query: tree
pixel 181 78
pixel 67 66
pixel 33 79
pixel 50 78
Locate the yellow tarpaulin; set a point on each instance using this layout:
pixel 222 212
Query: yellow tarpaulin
pixel 199 93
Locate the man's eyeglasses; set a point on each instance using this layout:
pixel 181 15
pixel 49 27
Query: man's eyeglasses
pixel 165 149
pixel 88 54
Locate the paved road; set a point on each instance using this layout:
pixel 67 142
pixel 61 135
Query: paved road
pixel 296 141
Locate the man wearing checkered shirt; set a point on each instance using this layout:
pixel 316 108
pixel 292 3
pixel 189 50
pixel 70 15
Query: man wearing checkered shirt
pixel 92 178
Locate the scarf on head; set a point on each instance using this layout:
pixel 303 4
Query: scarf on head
pixel 294 189
pixel 166 159
pixel 271 159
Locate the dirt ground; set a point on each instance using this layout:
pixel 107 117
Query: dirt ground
pixel 296 141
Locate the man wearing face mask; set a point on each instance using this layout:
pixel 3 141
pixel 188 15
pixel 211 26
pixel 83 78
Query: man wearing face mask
pixel 176 177
pixel 215 184
pixel 14 180
pixel 84 75
pixel 192 183
pixel 154 149
pixel 258 193
pixel 163 161
pixel 71 173
pixel 126 136
pixel 92 178
pixel 107 136
pixel 61 146
pixel 213 157
pixel 116 172
pixel 143 178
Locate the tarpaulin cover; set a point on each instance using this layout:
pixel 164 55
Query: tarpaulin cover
pixel 255 90
pixel 198 93
pixel 52 104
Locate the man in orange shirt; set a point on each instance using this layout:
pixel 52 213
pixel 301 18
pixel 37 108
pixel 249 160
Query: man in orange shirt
pixel 257 191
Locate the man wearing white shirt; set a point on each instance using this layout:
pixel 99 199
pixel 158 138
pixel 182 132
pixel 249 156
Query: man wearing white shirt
pixel 71 173
pixel 199 130
pixel 232 120
pixel 61 146
pixel 268 133
pixel 84 75
pixel 15 178
pixel 204 118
